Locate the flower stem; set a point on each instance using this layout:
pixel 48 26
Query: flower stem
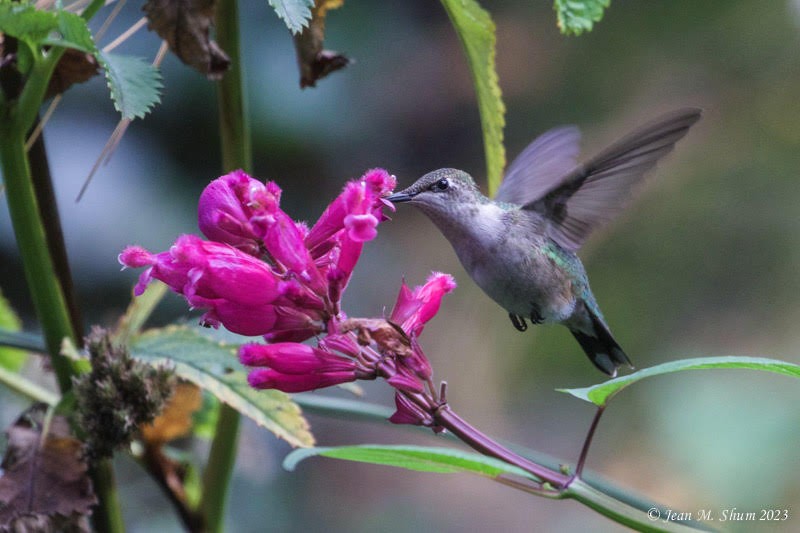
pixel 448 419
pixel 236 153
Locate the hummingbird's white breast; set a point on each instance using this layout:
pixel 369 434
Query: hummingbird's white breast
pixel 504 252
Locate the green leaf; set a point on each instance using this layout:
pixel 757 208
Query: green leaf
pixel 74 33
pixel 601 393
pixel 212 365
pixel 26 23
pixel 295 13
pixel 420 458
pixel 477 33
pixel 577 16
pixel 135 84
pixel 10 358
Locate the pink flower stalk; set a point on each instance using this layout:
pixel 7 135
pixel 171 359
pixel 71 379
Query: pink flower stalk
pixel 258 275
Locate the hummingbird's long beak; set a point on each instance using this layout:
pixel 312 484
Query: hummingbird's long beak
pixel 400 197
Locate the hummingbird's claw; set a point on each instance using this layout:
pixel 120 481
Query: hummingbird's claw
pixel 518 322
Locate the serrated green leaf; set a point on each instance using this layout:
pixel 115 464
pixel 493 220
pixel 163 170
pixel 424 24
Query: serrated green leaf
pixel 73 33
pixel 477 33
pixel 213 366
pixel 601 393
pixel 419 458
pixel 577 16
pixel 135 84
pixel 26 23
pixel 10 358
pixel 295 13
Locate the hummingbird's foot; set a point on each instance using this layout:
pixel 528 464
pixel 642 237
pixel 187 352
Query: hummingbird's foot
pixel 536 317
pixel 518 322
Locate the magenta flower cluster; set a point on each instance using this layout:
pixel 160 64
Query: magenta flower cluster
pixel 263 274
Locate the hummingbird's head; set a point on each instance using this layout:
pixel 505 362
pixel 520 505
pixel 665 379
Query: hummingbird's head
pixel 440 191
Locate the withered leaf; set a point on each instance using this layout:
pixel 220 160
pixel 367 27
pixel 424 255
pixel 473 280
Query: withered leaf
pixel 176 418
pixel 73 67
pixel 45 485
pixel 185 25
pixel 315 63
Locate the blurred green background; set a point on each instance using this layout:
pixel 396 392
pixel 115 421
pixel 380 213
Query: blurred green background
pixel 704 263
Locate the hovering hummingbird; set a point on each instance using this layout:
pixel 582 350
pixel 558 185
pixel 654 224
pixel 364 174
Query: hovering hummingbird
pixel 520 246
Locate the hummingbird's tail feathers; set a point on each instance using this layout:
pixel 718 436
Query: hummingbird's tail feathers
pixel 600 346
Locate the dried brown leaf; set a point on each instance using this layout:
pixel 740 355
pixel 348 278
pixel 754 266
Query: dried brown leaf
pixel 45 485
pixel 315 63
pixel 185 25
pixel 73 67
pixel 176 419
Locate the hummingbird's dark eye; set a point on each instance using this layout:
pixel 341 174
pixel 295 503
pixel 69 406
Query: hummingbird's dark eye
pixel 441 185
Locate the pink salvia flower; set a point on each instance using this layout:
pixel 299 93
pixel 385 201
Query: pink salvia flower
pixel 414 309
pixel 294 358
pixel 267 378
pixel 409 413
pixel 293 294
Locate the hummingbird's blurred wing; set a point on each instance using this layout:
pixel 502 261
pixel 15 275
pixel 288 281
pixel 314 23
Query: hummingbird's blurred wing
pixel 541 166
pixel 594 192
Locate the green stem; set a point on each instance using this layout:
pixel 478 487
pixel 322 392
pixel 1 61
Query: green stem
pixel 236 153
pixel 42 277
pixel 27 388
pixel 48 297
pixel 107 516
pixel 221 460
pixel 234 126
pixel 620 512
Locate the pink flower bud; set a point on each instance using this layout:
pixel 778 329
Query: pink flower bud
pixel 225 210
pixel 294 358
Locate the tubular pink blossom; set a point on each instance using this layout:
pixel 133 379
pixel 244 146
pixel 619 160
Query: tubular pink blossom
pixel 294 358
pixel 266 378
pixel 414 309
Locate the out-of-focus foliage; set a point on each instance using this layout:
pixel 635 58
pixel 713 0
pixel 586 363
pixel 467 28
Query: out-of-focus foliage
pixel 477 33
pixel 577 16
pixel 212 365
pixel 602 393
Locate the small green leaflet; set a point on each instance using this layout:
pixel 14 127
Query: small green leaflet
pixel 295 13
pixel 135 84
pixel 74 33
pixel 26 23
pixel 477 33
pixel 577 16
pixel 10 358
pixel 212 365
pixel 419 458
pixel 601 393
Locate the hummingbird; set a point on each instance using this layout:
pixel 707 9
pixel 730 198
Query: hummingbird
pixel 520 247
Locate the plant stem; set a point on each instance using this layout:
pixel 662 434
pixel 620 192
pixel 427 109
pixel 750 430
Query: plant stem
pixel 107 516
pixel 236 153
pixel 234 125
pixel 218 472
pixel 620 512
pixel 46 292
pixel 27 388
pixel 447 418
